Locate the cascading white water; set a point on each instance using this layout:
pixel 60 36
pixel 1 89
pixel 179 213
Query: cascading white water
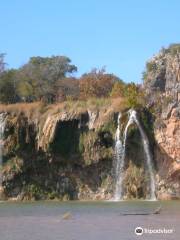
pixel 120 150
pixel 119 161
pixel 2 128
pixel 148 156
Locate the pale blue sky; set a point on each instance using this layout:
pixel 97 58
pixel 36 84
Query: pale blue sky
pixel 120 35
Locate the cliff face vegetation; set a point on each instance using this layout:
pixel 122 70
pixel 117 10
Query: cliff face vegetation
pixel 66 151
pixel 57 151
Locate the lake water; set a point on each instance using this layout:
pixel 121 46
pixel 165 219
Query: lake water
pixel 87 220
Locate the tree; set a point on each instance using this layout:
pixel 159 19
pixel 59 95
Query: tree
pixel 134 95
pixel 38 78
pixel 67 88
pixel 97 83
pixel 118 89
pixel 8 88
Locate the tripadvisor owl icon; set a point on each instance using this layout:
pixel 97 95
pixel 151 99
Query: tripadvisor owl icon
pixel 138 231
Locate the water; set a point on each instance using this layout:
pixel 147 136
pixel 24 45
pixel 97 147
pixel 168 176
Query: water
pixel 120 151
pixel 119 158
pixel 89 221
pixel 2 128
pixel 148 157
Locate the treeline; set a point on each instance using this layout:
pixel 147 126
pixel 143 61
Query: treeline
pixel 50 79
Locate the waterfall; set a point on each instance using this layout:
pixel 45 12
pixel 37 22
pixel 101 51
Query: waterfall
pixel 120 151
pixel 148 156
pixel 2 128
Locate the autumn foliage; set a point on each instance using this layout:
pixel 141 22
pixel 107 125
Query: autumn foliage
pixel 51 80
pixel 97 83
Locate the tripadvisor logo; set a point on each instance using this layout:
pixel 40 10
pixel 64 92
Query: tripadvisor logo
pixel 139 231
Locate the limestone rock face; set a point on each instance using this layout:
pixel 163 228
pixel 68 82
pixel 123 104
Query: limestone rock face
pixel 168 137
pixel 60 154
pixel 162 85
pixel 163 74
pixel 168 156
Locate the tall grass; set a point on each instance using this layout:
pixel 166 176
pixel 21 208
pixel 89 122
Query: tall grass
pixel 37 109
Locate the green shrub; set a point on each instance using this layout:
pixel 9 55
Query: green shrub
pixel 118 89
pixel 33 191
pixel 174 49
pixel 151 66
pixel 134 96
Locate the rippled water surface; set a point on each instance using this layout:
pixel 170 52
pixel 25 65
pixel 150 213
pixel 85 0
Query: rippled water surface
pixel 87 220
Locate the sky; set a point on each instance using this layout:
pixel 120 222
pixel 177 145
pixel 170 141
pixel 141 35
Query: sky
pixel 118 34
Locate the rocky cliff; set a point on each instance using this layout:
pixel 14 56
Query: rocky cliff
pixel 66 151
pixel 57 151
pixel 162 86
